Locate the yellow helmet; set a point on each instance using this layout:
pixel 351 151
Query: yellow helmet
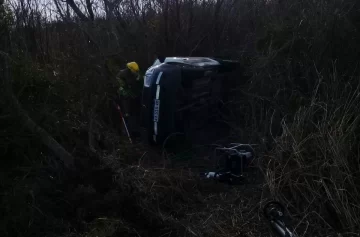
pixel 133 66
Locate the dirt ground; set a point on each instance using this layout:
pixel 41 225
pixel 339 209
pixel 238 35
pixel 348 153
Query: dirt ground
pixel 157 191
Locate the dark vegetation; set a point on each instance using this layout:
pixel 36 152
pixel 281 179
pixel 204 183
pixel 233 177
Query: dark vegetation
pixel 300 104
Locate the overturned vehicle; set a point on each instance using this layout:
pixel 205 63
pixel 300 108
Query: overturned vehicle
pixel 181 95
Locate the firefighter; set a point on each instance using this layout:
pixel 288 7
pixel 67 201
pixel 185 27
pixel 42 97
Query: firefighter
pixel 128 80
pixel 129 92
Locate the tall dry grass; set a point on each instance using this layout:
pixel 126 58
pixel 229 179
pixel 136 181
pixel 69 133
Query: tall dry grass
pixel 307 76
pixel 314 165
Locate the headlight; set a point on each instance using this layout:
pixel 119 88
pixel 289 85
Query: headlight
pixel 148 77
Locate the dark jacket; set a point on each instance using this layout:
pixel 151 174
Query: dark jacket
pixel 129 84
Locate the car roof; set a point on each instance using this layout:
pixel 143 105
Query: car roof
pixel 194 61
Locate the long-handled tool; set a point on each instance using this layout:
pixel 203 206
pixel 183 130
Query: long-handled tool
pixel 123 120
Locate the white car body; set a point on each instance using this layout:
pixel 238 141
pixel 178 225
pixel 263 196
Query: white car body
pixel 194 61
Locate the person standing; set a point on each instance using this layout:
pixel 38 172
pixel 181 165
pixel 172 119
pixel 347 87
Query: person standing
pixel 128 79
pixel 129 92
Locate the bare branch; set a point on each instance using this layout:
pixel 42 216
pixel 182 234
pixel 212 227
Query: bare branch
pixel 59 10
pixel 76 9
pixel 90 10
pixel 110 6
